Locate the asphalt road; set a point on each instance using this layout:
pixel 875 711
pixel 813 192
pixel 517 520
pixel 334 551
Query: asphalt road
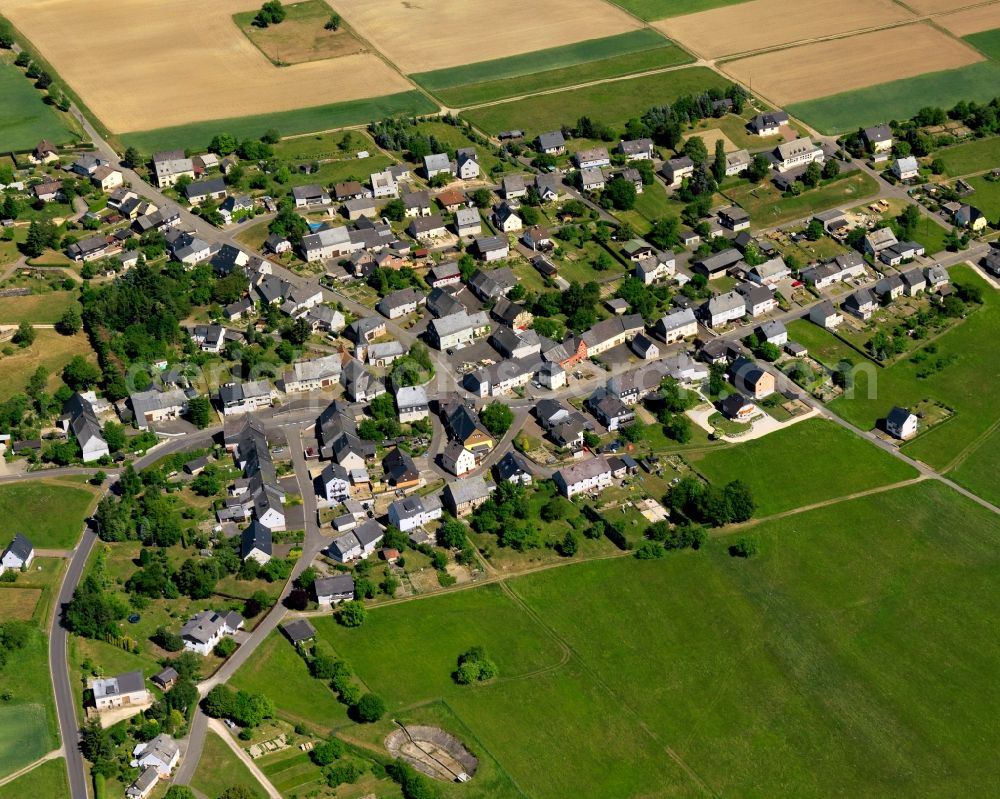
pixel 63 687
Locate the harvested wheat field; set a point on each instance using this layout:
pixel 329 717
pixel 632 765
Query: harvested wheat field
pixel 972 20
pixel 761 24
pixel 420 37
pixel 940 6
pixel 855 62
pixel 182 62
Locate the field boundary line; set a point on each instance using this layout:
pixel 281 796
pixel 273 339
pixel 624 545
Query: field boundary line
pixel 971 447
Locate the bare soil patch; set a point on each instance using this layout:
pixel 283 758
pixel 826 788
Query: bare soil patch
pixel 422 36
pixel 972 20
pixel 183 62
pixel 761 24
pixel 433 751
pixel 842 65
pixel 711 136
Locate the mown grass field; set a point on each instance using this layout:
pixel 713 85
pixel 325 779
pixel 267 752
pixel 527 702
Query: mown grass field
pixel 901 99
pixel 825 660
pixel 59 527
pixel 26 118
pixel 964 359
pixel 767 206
pixel 38 309
pixel 973 156
pixel 269 672
pixel 612 103
pixel 219 769
pixel 596 59
pixel 51 350
pixel 987 196
pixel 48 780
pixel 304 120
pixel 823 346
pixel 839 464
pixel 660 9
pixel 24 735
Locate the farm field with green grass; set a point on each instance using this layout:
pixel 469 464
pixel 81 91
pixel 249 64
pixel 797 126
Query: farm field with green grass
pixel 612 103
pixel 987 42
pixel 60 526
pixel 219 769
pixel 780 479
pixel 26 118
pixel 900 99
pixel 768 207
pixel 826 658
pixel 48 779
pixel 974 156
pixel 660 9
pixel 962 358
pixel 572 64
pixel 197 135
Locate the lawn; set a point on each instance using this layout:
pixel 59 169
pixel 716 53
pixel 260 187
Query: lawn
pixel 28 726
pixel 973 156
pixel 839 464
pixel 597 59
pixel 987 196
pixel 301 36
pixel 269 672
pixel 930 234
pixel 964 358
pixel 823 346
pixel 900 99
pixel 611 103
pixel 304 120
pixel 768 207
pixel 51 350
pixel 23 736
pixel 824 660
pixel 60 526
pixel 46 780
pixel 219 769
pixel 26 118
pixel 38 309
pixel 322 146
pixel 652 204
pixel 568 737
pixel 659 9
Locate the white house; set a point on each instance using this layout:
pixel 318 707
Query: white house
pixel 414 511
pixel 796 153
pixel 334 590
pixel 204 630
pixel 161 753
pixel 676 325
pixel 590 475
pixel 901 424
pixel 122 690
pixel 411 402
pixel 336 481
pixel 906 168
pixel 256 542
pixel 358 543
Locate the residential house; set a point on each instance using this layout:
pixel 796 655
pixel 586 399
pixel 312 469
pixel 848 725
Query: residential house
pixel 437 164
pixel 889 288
pixel 860 303
pixel 205 629
pixel 895 254
pixel 914 282
pixel 878 138
pixel 717 264
pixel 458 329
pixel 336 482
pixel 411 403
pixel 18 555
pixel 656 267
pixel 360 542
pixel 609 410
pixel 737 163
pixel 768 124
pixel 468 163
pixel 152 406
pixel 442 302
pixel 512 343
pixel 334 589
pixel 551 375
pixel 256 543
pixel 107 178
pixel 552 143
pixel 366 329
pixel 457 459
pixel 205 190
pixel 468 222
pixel 760 300
pixel 677 325
pixel 878 240
pixel 209 338
pixel 512 187
pixel 548 186
pixel 734 218
pixel 170 166
pixel 537 238
pixel 645 347
pixel 506 219
pixel 937 277
pixel 465 495
pixel 383 184
pixel 237 207
pixel 161 753
pixel 773 333
pixel 417 203
pixel 427 227
pixel 676 169
pixel 48 191
pixel 310 196
pixel 592 179
pixel 970 218
pixel 45 152
pixel 636 149
pixel 237 398
pixel 464 426
pixel 400 470
pixel 492 248
pixel 586 476
pixel 414 511
pixel 312 375
pixel 80 417
pixel 513 468
pixel 611 333
pixel 360 385
pixel 751 379
pixel 825 315
pixel 122 690
pixel 737 407
pixel 143 785
pixel 493 284
pixel 901 424
pixel 400 303
pixel 769 273
pixel 796 153
pixel 89 249
pixel 906 168
pixel 360 207
pixel 511 314
pixel 723 309
pixel 444 274
pixel 592 157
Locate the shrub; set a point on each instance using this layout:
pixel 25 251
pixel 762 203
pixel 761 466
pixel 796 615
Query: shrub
pixel 370 708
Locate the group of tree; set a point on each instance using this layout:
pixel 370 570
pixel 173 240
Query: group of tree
pixel 474 666
pixel 693 501
pixel 506 515
pixel 247 709
pixel 670 403
pixel 271 13
pixel 578 302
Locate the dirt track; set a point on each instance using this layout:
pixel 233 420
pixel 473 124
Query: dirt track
pixel 972 20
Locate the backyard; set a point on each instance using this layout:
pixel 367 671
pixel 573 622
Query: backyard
pixel 66 507
pixel 768 207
